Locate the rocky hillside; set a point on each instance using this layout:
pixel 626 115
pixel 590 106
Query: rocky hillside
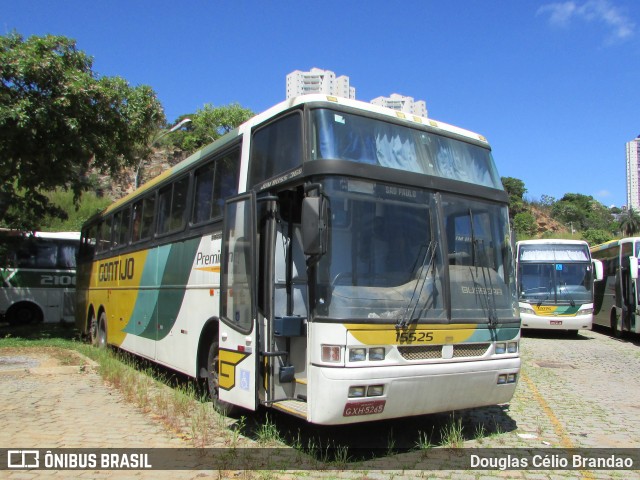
pixel 546 223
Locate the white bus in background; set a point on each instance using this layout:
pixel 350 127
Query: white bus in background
pixel 38 273
pixel 616 297
pixel 555 284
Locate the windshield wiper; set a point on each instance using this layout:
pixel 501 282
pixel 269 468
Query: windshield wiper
pixel 488 290
pixel 410 310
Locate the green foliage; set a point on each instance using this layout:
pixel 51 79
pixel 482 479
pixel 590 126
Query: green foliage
pixel 516 190
pixel 58 119
pixel 524 224
pixel 593 236
pixel 630 223
pixel 208 124
pixel 582 212
pixel 77 212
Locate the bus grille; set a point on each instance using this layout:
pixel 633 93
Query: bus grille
pixel 432 352
pixel 473 350
pixel 421 352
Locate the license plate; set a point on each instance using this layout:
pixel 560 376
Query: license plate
pixel 371 407
pixel 556 322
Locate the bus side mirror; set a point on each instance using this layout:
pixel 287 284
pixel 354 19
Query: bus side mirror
pixel 314 225
pixel 598 269
pixel 633 266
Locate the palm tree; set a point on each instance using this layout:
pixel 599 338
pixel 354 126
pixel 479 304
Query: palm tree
pixel 630 223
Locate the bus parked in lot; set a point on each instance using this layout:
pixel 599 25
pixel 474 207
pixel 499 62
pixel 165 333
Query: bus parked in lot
pixel 555 284
pixel 336 260
pixel 38 271
pixel 616 297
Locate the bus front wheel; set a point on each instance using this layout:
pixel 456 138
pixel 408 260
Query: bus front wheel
pixel 213 385
pixel 24 313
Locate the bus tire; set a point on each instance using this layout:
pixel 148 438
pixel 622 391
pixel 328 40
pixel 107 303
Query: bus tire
pixel 24 313
pixel 101 334
pixel 93 329
pixel 614 325
pixel 213 388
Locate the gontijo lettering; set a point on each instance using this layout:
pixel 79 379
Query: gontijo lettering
pixel 120 269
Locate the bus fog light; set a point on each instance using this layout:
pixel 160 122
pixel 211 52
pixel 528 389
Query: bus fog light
pixel 331 353
pixel 357 354
pixel 502 379
pixel 376 354
pixel 500 348
pixel 356 392
pixel 511 378
pixel 375 390
pixel 512 347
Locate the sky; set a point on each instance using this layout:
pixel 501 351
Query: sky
pixel 551 84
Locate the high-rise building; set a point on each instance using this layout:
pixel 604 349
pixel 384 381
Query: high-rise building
pixel 403 104
pixel 319 81
pixel 633 173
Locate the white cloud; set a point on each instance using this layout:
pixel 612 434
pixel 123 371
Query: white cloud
pixel 562 14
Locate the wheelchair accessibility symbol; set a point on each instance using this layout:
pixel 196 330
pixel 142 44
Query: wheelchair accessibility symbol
pixel 245 376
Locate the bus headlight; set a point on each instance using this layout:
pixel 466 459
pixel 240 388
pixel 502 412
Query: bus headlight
pixel 527 310
pixel 357 354
pixel 375 390
pixel 356 392
pixel 512 347
pixel 376 354
pixel 501 348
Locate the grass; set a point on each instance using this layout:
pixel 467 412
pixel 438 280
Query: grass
pixel 181 408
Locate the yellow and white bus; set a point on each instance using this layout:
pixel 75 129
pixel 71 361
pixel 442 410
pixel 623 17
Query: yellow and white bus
pixel 38 271
pixel 616 297
pixel 555 284
pixel 333 259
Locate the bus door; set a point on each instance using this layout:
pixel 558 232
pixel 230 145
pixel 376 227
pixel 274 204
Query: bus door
pixel 286 302
pixel 238 332
pixel 627 286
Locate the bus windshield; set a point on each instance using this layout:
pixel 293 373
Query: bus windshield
pixel 556 274
pixel 339 135
pixel 388 258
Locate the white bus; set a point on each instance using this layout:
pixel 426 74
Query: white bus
pixel 555 284
pixel 336 260
pixel 616 297
pixel 38 271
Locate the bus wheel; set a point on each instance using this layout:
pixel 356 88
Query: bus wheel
pixel 614 325
pixel 102 331
pixel 93 329
pixel 224 408
pixel 24 313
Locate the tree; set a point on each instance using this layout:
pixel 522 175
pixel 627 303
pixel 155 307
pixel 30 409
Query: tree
pixel 524 224
pixel 595 237
pixel 630 222
pixel 210 123
pixel 515 189
pixel 583 213
pixel 58 119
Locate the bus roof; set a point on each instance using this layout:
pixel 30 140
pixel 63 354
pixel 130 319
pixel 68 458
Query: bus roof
pixel 552 241
pixel 49 235
pixel 327 100
pixel 612 243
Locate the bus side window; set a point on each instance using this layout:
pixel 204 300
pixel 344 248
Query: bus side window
pixel 203 193
pixel 173 206
pixel 226 181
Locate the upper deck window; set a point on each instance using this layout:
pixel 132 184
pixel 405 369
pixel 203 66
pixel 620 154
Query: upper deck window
pixel 339 135
pixel 276 148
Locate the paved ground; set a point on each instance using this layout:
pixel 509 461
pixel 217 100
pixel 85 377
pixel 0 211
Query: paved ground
pixel 573 393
